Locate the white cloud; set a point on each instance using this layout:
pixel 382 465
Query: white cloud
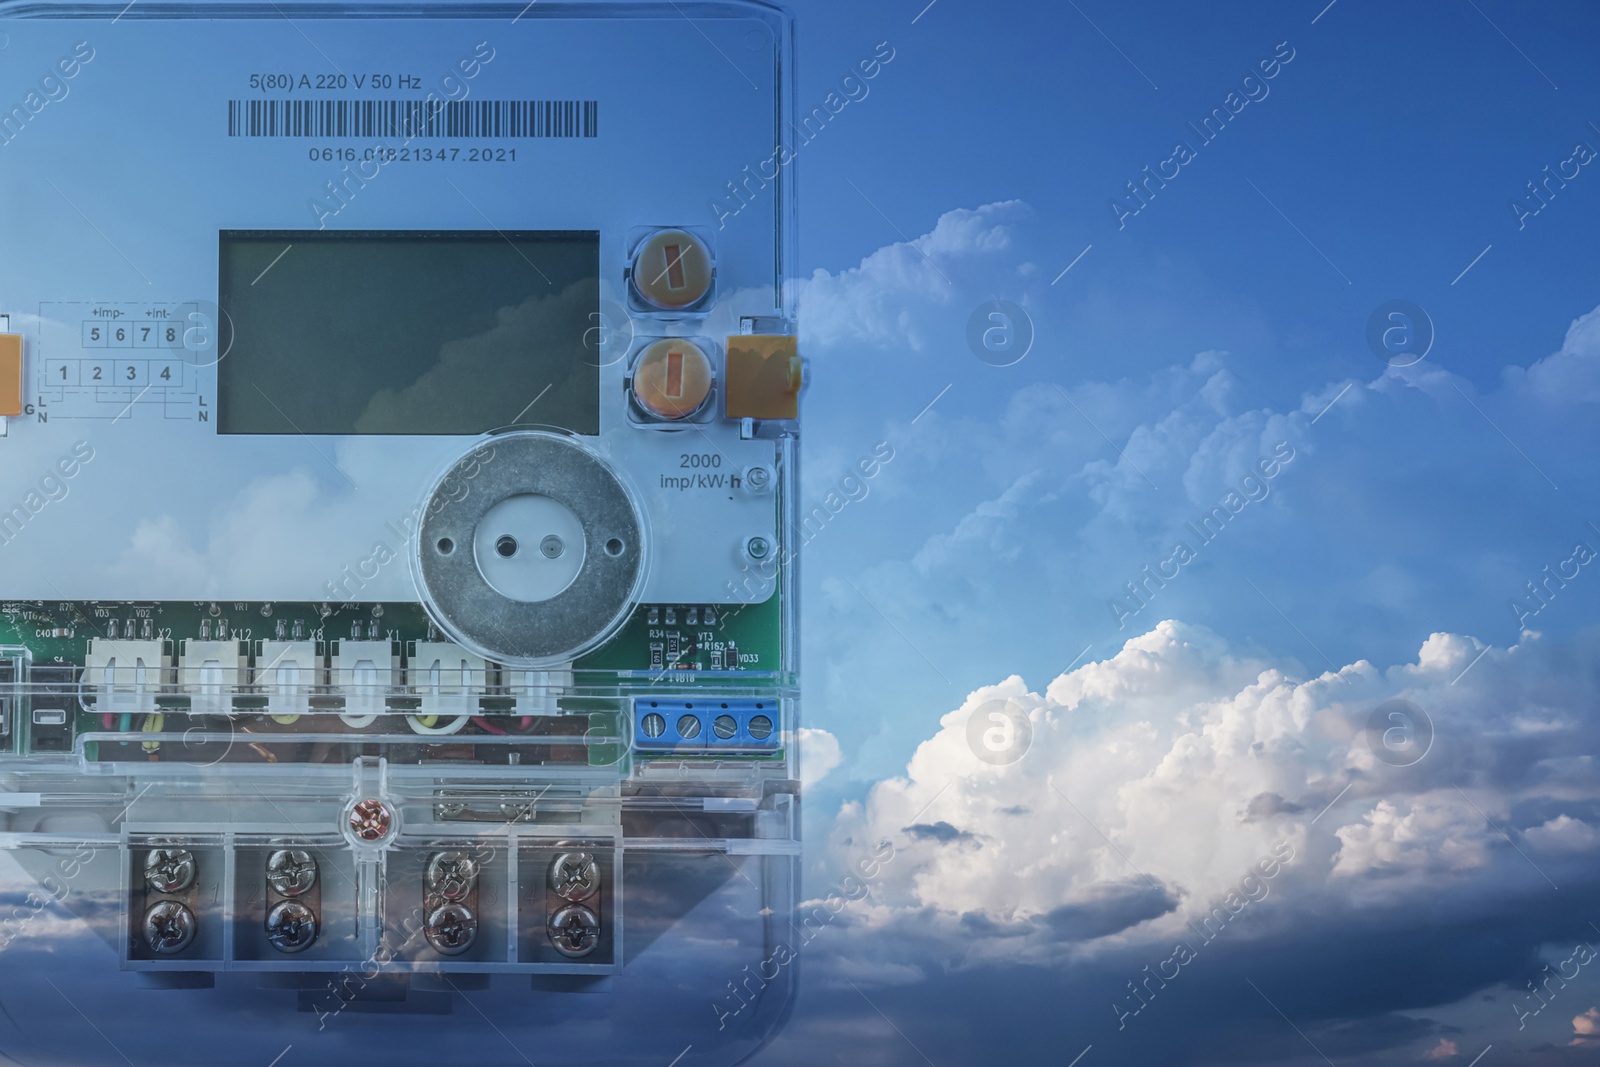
pixel 885 301
pixel 1157 779
pixel 819 755
pixel 1437 833
pixel 1586 1028
pixel 1444 1050
pixel 1564 834
pixel 1570 375
pixel 1073 482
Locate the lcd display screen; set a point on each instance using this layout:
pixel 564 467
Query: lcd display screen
pixel 402 332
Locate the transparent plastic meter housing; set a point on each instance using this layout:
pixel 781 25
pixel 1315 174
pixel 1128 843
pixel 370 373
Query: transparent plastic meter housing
pixel 383 633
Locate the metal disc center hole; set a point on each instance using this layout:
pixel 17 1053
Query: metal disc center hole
pixel 507 546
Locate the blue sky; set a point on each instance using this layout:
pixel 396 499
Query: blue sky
pixel 1391 144
pixel 1227 317
pixel 1175 749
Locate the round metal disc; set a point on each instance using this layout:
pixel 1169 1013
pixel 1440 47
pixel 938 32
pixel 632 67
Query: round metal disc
pixel 461 599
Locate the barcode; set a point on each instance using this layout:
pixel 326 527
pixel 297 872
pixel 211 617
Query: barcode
pixel 413 118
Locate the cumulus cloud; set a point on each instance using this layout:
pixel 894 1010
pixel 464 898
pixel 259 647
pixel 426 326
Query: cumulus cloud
pixel 1185 773
pixel 1071 472
pixel 1435 833
pixel 1564 834
pixel 1571 374
pixel 1161 776
pixel 1586 1028
pixel 819 755
pixel 883 302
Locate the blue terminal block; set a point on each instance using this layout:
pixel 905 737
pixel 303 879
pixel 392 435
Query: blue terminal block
pixel 667 724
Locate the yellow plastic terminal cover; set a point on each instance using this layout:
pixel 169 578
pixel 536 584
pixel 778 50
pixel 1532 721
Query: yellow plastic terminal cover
pixel 10 374
pixel 764 377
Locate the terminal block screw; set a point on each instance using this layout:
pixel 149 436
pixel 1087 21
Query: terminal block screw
pixel 291 872
pixel 291 926
pixel 575 931
pixel 168 927
pixel 451 875
pixel 371 820
pixel 169 870
pixel 451 929
pixel 518 812
pixel 575 876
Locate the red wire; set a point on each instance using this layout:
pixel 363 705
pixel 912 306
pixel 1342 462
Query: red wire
pixel 489 727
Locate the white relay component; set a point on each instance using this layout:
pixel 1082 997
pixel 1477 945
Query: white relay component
pixel 536 692
pixel 288 672
pixel 446 676
pixel 126 675
pixel 365 672
pixel 210 672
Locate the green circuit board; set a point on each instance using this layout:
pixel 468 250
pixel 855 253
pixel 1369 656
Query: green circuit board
pixel 660 644
pixel 655 637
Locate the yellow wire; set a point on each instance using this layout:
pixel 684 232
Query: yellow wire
pixel 152 725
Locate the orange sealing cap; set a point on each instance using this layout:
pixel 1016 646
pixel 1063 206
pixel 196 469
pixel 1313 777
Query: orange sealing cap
pixel 672 269
pixel 672 378
pixel 10 374
pixel 764 377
